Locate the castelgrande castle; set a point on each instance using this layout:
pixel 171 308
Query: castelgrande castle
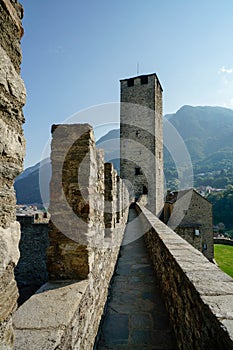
pixel 89 206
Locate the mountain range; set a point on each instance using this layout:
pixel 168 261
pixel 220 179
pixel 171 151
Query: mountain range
pixel 206 131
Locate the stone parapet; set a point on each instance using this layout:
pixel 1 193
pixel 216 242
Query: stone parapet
pixel 198 295
pixel 74 200
pixel 66 314
pixel 225 241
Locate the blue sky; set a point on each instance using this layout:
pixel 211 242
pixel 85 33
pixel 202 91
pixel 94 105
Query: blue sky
pixel 75 53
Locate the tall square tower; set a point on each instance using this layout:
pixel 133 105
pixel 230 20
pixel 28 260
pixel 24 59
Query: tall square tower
pixel 141 138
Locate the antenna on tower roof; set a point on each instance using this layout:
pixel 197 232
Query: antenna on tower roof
pixel 137 68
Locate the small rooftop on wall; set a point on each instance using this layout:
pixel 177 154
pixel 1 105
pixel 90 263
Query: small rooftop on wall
pixel 173 196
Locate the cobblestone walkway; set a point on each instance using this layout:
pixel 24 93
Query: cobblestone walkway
pixel 135 317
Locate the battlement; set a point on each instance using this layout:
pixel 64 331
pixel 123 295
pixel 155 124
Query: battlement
pixel 145 79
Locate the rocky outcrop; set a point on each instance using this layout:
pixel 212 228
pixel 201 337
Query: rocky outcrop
pixel 12 148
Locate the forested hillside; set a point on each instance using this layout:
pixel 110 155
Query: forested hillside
pixel 223 207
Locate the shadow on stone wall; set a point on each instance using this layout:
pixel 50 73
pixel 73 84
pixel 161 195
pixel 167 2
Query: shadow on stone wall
pixel 31 272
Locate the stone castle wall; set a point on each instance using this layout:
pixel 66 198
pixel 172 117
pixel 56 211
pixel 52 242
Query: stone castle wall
pixel 84 244
pixel 12 148
pixel 198 295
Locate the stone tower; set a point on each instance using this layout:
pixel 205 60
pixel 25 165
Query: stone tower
pixel 141 134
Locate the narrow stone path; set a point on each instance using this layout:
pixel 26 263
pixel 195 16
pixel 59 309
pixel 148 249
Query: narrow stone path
pixel 136 317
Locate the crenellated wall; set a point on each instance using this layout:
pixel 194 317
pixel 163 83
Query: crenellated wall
pixel 84 244
pixel 198 295
pixel 12 149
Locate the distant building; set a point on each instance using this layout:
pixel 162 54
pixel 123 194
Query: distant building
pixel 190 215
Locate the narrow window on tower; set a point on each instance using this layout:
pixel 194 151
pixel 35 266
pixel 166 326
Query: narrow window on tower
pixel 138 171
pixel 130 82
pixel 144 80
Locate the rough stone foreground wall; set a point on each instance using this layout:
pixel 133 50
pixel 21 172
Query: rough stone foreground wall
pixel 198 295
pixel 12 147
pixel 66 312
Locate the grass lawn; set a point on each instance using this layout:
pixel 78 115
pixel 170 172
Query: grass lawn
pixel 223 255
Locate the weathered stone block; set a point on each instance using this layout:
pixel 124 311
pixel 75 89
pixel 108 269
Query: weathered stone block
pixel 76 198
pixel 10 79
pixel 11 31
